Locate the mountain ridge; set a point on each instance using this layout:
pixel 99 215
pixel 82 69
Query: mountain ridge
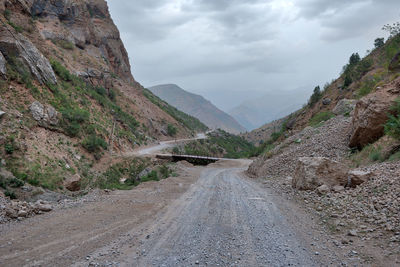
pixel 197 106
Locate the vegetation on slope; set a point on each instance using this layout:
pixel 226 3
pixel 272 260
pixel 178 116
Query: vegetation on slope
pixel 190 122
pixel 218 144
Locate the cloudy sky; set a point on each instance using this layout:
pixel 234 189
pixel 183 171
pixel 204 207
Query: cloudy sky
pixel 233 50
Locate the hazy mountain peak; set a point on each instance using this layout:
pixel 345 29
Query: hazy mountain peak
pixel 197 106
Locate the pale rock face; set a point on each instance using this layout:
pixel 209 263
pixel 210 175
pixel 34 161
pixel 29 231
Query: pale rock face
pixel 344 106
pixel 17 45
pixel 312 172
pixel 44 115
pixel 3 69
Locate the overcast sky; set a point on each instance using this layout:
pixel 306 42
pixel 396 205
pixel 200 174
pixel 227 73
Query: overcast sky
pixel 233 50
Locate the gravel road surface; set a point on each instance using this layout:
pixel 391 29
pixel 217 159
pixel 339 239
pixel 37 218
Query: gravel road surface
pixel 223 220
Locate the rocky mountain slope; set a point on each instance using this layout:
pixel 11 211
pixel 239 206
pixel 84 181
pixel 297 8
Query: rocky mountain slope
pixel 198 107
pixel 340 153
pixel 68 98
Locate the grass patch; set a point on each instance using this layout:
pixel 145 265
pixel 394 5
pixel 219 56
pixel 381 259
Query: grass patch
pixel 320 117
pixel 219 144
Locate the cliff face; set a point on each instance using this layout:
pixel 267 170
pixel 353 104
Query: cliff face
pixel 86 25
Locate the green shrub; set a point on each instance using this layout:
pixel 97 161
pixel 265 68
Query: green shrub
pixel 14 182
pixel 101 90
pixel 375 155
pixel 171 130
pixel 165 172
pixel 315 97
pixel 60 70
pixel 65 44
pixel 73 118
pixel 152 176
pixel 10 194
pixel 7 14
pixel 9 148
pixel 379 42
pixel 16 27
pixel 93 143
pixel 392 126
pixel 320 117
pixel 3 182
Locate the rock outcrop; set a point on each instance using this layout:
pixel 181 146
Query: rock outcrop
pixel 87 25
pixel 371 113
pixel 344 106
pixel 16 46
pixel 3 68
pixel 45 115
pixel 313 172
pixel 356 177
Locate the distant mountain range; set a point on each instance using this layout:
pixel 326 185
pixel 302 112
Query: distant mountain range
pixel 254 113
pixel 198 107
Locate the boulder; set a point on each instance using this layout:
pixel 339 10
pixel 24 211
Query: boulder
pixel 371 113
pixel 358 177
pixel 344 106
pixel 74 183
pixel 17 45
pixel 42 206
pixel 312 172
pixel 44 115
pixel 2 113
pixel 338 188
pixel 3 63
pixel 326 101
pixel 323 189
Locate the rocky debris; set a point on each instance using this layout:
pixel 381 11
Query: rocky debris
pixel 312 172
pixel 371 113
pixel 17 45
pixel 73 183
pixel 330 141
pixel 344 106
pixel 21 209
pixel 3 63
pixel 357 177
pixel 326 101
pixel 44 115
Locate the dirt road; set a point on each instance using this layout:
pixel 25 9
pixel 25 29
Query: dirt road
pixel 224 220
pixel 207 216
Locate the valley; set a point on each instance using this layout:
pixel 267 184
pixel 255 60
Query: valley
pixel 98 170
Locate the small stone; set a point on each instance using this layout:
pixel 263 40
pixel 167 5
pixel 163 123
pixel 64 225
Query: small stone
pixel 352 232
pixel 2 113
pixel 338 188
pixel 323 189
pixel 197 262
pixel 316 253
pixel 22 213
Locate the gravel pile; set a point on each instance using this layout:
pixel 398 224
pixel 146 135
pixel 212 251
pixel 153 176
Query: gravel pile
pixel 329 140
pixel 369 212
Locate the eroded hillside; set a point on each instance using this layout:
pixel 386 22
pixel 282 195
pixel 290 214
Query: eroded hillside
pixel 68 98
